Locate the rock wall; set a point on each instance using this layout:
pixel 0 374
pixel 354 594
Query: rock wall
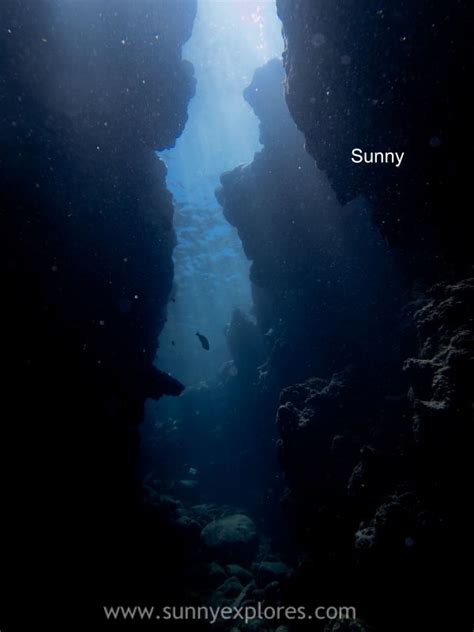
pixel 377 478
pixel 370 442
pixel 315 266
pixel 325 291
pixel 89 91
pixel 388 78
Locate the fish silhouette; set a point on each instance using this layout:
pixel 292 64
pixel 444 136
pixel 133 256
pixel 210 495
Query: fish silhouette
pixel 203 340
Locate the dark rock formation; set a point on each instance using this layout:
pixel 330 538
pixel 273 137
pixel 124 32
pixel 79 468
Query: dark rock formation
pixel 440 377
pixel 313 420
pixel 441 405
pixel 88 92
pixel 233 538
pixel 381 78
pixel 335 468
pixel 158 383
pixel 315 266
pixel 368 503
pixel 245 344
pixel 358 76
pixel 323 282
pixel 374 457
pixel 223 533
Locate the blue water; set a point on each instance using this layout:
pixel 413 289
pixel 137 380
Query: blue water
pixel 231 38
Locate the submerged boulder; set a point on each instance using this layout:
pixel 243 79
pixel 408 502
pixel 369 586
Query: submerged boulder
pixel 272 571
pixel 233 538
pixel 241 573
pixel 215 573
pixel 231 588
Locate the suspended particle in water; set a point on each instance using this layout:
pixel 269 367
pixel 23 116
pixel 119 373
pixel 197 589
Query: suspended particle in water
pixel 318 39
pixel 124 305
pixel 346 60
pixel 435 141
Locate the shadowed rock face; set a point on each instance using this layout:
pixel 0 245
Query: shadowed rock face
pixel 388 77
pixel 232 538
pixel 322 281
pixel 316 266
pixel 373 456
pixel 440 380
pixel 89 91
pixel 115 70
pixel 377 470
pixel 376 483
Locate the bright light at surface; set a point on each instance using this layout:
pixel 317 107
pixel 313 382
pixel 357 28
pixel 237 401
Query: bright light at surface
pixel 254 20
pixel 231 38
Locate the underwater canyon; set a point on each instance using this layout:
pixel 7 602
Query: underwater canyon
pixel 237 365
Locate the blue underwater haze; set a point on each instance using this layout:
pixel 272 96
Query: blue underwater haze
pixel 230 40
pixel 237 364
